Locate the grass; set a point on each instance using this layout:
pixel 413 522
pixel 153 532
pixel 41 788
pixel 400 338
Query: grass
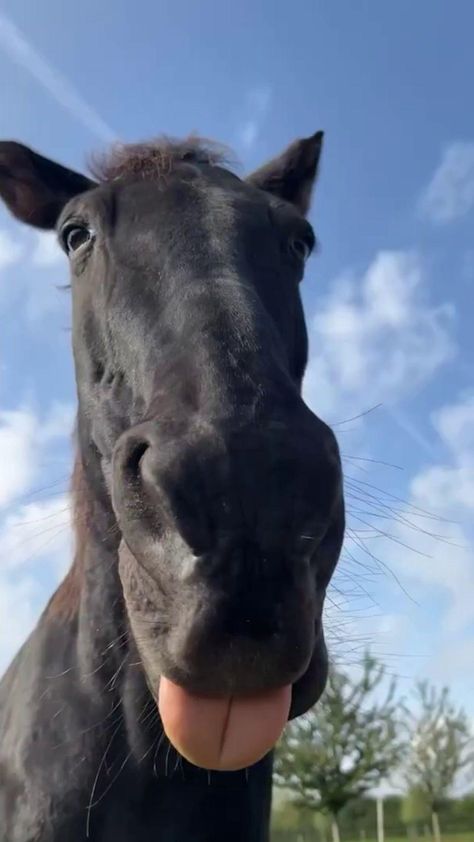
pixel 449 837
pixel 468 836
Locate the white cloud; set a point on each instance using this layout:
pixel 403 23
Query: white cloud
pixel 39 295
pixel 23 438
pixel 378 339
pixel 47 252
pixel 446 487
pixel 10 250
pixel 58 423
pixel 406 577
pixel 18 613
pixel 35 551
pixel 37 530
pixel 450 488
pixel 445 570
pixel 429 542
pixel 17 454
pixel 36 535
pixel 22 52
pixel 44 298
pixel 38 298
pixel 411 428
pixel 455 424
pixel 248 133
pixel 450 194
pixel 375 339
pixel 455 662
pixel 257 104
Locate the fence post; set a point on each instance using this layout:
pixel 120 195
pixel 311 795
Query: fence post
pixel 380 828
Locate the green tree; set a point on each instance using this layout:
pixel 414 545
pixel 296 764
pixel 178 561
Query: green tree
pixel 415 809
pixel 346 745
pixel 462 812
pixel 440 746
pixel 357 819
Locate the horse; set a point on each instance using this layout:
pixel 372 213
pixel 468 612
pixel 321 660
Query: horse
pixel 207 501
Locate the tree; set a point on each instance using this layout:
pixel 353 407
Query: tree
pixel 414 809
pixel 462 812
pixel 343 747
pixel 440 746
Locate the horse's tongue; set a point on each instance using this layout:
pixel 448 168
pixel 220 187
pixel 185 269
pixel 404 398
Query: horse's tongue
pixel 222 734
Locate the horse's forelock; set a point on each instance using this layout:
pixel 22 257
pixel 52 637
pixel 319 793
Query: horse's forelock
pixel 155 159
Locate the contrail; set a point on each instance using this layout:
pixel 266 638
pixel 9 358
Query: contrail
pixel 22 52
pixel 411 430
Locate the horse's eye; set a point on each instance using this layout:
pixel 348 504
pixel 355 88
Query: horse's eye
pixel 301 248
pixel 74 236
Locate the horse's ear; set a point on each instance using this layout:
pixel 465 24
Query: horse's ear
pixel 34 188
pixel 292 175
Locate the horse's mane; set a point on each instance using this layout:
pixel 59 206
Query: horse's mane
pixel 65 601
pixel 156 158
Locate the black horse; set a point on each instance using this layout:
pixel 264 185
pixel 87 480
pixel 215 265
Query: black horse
pixel 208 503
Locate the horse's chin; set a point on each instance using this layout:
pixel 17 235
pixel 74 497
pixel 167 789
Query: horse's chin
pixel 214 723
pixel 227 733
pixel 308 689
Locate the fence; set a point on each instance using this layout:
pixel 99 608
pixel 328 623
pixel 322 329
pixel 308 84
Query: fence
pixel 457 828
pixel 450 833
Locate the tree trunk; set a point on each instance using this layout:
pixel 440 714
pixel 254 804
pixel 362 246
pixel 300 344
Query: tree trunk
pixel 436 829
pixel 335 830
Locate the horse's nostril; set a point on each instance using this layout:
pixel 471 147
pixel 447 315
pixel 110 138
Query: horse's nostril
pixel 128 464
pixel 132 463
pixel 156 484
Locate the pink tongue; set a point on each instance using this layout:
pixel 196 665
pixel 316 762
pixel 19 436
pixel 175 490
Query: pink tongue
pixel 222 734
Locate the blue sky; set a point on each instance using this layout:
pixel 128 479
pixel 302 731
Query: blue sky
pixel 388 298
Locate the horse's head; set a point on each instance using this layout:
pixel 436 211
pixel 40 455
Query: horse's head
pixel 190 347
